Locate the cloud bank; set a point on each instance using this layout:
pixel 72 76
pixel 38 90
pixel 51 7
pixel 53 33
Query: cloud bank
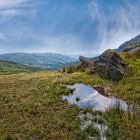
pixel 116 23
pixel 69 27
pixel 12 8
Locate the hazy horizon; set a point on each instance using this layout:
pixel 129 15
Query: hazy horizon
pixel 75 27
pixel 76 56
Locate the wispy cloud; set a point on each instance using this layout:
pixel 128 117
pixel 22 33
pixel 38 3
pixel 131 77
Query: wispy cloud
pixel 15 12
pixel 63 26
pixel 3 37
pixel 66 44
pixel 10 9
pixel 115 24
pixel 10 4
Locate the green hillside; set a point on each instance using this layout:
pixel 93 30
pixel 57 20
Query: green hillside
pixel 130 45
pixel 42 60
pixel 32 105
pixel 10 68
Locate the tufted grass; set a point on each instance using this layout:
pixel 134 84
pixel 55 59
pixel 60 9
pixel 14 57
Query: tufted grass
pixel 31 106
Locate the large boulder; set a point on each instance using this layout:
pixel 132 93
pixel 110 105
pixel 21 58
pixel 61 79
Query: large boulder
pixel 109 65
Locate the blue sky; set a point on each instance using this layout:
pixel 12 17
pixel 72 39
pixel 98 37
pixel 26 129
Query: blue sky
pixel 67 26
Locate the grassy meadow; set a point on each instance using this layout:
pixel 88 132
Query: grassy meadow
pixel 15 68
pixel 31 106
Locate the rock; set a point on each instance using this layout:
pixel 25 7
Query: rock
pixel 102 90
pixel 86 61
pixel 109 65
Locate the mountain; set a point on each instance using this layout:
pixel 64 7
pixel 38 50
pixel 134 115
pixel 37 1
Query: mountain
pixel 42 60
pixel 130 45
pixel 131 48
pixel 110 64
pixel 11 67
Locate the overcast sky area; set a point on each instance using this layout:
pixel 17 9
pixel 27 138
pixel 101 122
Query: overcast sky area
pixel 67 26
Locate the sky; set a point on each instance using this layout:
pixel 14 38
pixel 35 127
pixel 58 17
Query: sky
pixel 75 27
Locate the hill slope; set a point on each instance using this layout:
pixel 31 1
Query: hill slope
pixel 131 48
pixel 43 60
pixel 32 105
pixel 11 67
pixel 130 45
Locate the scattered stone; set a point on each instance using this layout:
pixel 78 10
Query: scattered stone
pixel 102 90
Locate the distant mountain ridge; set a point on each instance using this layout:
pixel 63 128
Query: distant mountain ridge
pixel 42 60
pixel 130 45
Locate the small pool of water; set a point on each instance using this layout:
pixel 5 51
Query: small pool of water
pixel 86 96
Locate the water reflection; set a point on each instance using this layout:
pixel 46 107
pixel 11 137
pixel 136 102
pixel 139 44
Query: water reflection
pixel 87 97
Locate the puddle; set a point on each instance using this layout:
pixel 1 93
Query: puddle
pixel 86 96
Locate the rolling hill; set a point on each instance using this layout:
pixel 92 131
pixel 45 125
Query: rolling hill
pixel 11 68
pixel 32 105
pixel 42 60
pixel 130 45
pixel 131 48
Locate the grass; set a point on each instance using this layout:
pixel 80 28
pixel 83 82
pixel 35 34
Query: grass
pixel 129 87
pixel 11 68
pixel 123 125
pixel 31 106
pixel 126 125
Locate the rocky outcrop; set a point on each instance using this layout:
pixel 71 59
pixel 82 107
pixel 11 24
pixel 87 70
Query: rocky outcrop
pixel 109 65
pixel 86 61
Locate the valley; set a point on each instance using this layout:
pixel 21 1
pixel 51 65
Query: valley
pixel 69 70
pixel 32 106
pixel 32 103
pixel 39 60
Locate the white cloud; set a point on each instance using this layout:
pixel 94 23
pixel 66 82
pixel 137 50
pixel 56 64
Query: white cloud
pixel 3 37
pixel 121 24
pixel 66 44
pixel 14 12
pixel 124 20
pixel 12 8
pixel 6 4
